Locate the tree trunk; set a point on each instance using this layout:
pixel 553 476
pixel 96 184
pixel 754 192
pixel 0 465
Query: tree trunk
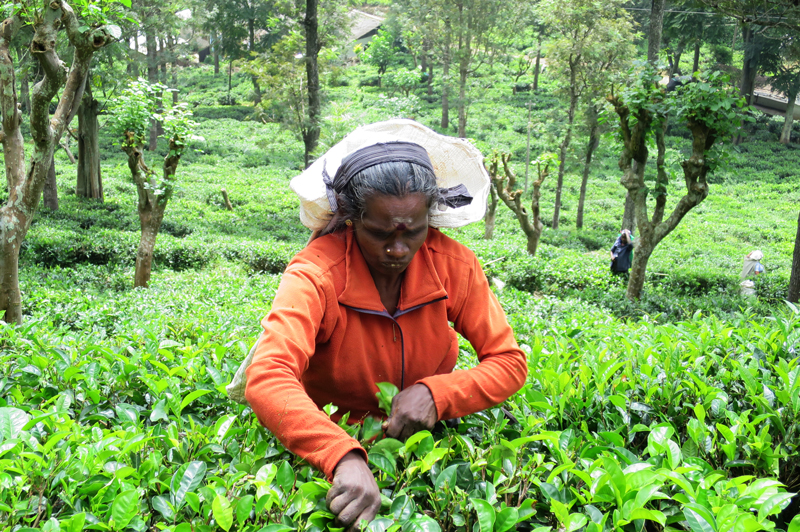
pixel 215 50
pixel 491 214
pixel 256 90
pixel 66 149
pixel 696 61
pixel 150 221
pixel 162 58
pixel 174 83
pixel 629 215
pixel 562 165
pixel 251 32
pixel 794 281
pixel 462 99
pixel 311 134
pixel 446 77
pixel 751 59
pixel 426 67
pixel 152 77
pixel 25 187
pixel 594 141
pixel 50 192
pixel 537 68
pixel 656 28
pixel 90 181
pixel 675 69
pixel 10 297
pixel 133 72
pixel 641 255
pixel 786 133
pixel 25 93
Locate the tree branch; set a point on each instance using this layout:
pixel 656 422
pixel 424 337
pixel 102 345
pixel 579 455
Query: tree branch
pixel 86 44
pixel 504 184
pixel 662 179
pixel 43 49
pixel 10 135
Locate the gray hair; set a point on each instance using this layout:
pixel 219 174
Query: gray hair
pixel 392 178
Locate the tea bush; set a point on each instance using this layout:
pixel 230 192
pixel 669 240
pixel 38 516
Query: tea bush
pixel 675 412
pixel 123 423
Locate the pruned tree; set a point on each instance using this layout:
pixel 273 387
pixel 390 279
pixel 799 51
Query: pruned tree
pixel 131 113
pixel 504 184
pixel 86 33
pixel 711 108
pixel 590 40
pixel 654 35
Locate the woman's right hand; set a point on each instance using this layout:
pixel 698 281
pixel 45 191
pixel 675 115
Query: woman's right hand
pixel 354 496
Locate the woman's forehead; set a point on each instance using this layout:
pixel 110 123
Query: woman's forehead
pixel 408 210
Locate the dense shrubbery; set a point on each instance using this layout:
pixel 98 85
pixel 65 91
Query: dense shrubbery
pixel 677 411
pixel 621 421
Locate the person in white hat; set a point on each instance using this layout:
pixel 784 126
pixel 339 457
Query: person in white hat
pixel 752 265
pixel 370 300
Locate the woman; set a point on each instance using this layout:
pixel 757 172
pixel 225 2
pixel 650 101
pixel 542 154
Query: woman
pixel 621 253
pixel 369 301
pixel 752 266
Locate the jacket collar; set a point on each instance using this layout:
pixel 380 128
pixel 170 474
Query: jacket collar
pixel 421 284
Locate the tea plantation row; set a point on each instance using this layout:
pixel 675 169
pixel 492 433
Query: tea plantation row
pixel 125 424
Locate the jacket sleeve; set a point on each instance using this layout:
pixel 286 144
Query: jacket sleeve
pixel 503 366
pixel 274 388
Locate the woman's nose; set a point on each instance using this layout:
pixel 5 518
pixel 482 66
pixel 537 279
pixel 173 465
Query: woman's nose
pixel 396 249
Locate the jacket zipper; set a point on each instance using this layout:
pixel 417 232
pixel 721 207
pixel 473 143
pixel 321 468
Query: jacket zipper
pixel 394 322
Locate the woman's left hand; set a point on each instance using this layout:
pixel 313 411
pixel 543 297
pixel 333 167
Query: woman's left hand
pixel 413 410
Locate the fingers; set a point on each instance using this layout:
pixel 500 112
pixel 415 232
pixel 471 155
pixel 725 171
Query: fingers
pixel 334 491
pixel 354 495
pixel 337 503
pixel 394 426
pixel 358 510
pixel 365 518
pixel 413 410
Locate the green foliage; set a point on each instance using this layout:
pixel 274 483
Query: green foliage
pixel 112 410
pixel 134 108
pixel 404 79
pixel 177 123
pixel 141 425
pixel 380 52
pixel 710 99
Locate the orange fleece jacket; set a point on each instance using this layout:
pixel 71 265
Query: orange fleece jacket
pixel 328 339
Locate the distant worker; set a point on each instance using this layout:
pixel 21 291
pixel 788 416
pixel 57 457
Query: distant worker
pixel 752 265
pixel 621 253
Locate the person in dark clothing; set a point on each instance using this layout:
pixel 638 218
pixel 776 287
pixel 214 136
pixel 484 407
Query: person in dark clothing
pixel 621 254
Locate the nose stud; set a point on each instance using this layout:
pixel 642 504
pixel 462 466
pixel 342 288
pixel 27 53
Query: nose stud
pixel 388 250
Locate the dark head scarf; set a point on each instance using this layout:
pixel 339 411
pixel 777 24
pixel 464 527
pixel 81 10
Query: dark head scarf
pixel 398 151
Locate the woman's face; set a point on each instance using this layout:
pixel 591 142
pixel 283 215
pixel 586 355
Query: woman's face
pixel 391 231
